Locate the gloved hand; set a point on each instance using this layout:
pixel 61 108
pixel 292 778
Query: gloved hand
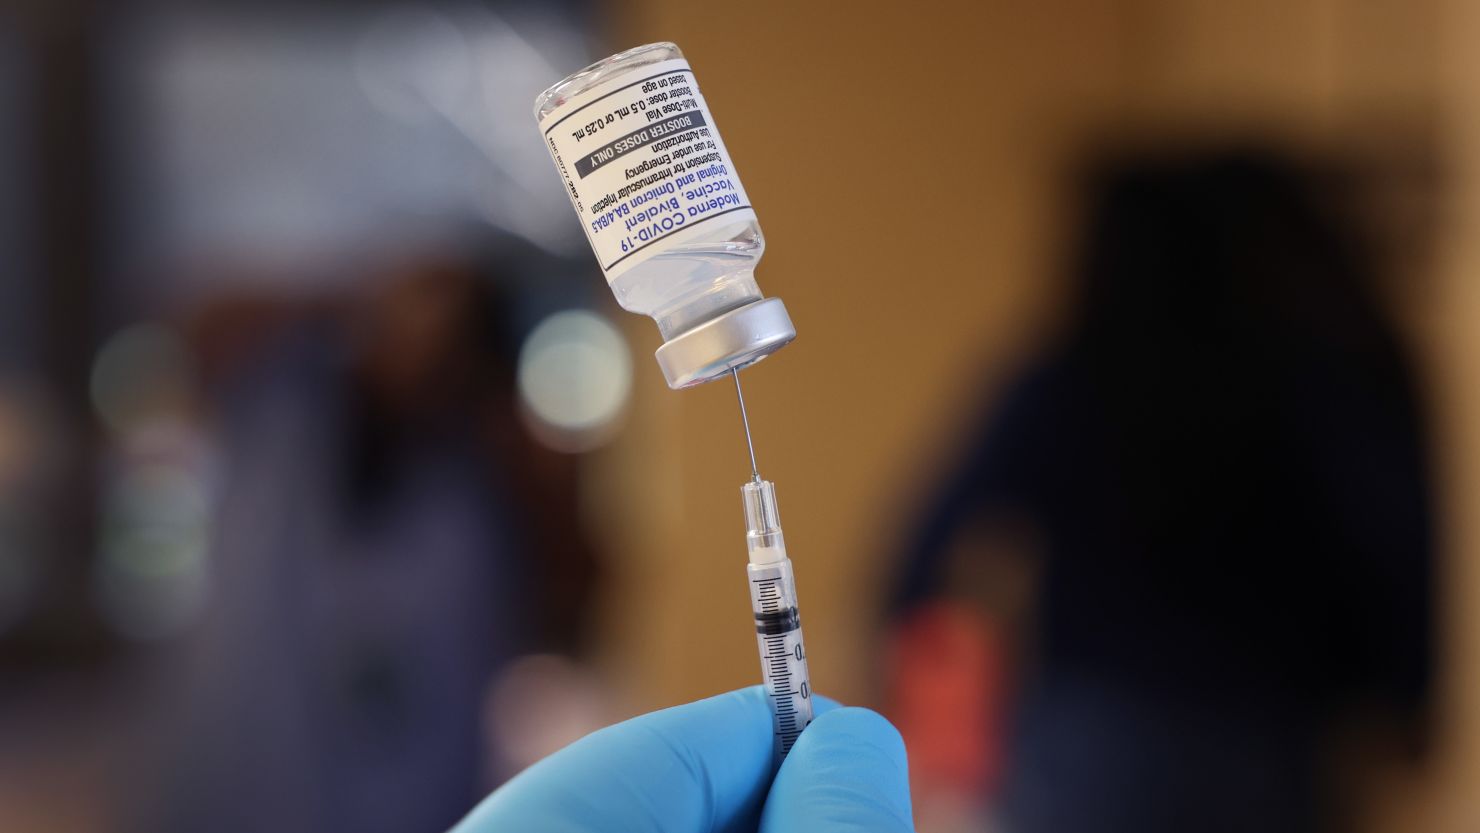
pixel 706 767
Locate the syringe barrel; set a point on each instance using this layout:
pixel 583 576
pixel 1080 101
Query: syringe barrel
pixel 778 628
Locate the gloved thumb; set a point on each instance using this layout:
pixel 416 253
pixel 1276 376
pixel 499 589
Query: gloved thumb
pixel 847 772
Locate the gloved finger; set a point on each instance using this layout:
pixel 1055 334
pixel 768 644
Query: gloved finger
pixel 821 705
pixel 847 772
pixel 695 768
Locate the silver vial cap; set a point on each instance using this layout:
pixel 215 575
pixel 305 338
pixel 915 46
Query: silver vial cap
pixel 738 338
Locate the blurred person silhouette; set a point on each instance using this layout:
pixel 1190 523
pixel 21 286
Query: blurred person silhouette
pixel 387 536
pixel 1215 483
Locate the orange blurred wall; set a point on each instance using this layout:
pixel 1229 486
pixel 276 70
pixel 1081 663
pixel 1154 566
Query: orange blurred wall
pixel 906 161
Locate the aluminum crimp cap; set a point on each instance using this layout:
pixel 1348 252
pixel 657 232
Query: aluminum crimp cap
pixel 738 338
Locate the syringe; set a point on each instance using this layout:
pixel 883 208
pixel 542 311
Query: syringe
pixel 773 599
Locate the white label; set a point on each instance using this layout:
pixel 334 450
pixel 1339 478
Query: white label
pixel 643 164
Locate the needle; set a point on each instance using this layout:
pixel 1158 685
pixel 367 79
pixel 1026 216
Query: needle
pixel 755 472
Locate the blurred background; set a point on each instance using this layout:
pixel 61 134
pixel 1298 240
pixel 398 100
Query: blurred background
pixel 1127 451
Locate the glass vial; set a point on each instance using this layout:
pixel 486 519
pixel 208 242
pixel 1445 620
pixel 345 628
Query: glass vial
pixel 664 210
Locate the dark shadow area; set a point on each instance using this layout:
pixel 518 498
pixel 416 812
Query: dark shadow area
pixel 1202 520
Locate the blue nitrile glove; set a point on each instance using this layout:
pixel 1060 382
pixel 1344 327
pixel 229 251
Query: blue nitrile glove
pixel 705 768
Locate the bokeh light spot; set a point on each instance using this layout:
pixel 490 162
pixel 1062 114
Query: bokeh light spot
pixel 575 376
pixel 140 373
pixel 150 579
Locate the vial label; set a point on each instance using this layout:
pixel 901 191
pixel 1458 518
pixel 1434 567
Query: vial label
pixel 643 164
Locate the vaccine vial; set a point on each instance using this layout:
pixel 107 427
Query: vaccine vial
pixel 644 166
